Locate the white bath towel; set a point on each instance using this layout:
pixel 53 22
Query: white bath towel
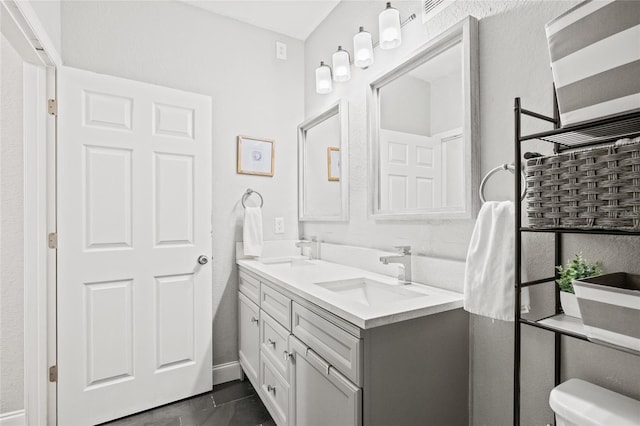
pixel 490 270
pixel 252 231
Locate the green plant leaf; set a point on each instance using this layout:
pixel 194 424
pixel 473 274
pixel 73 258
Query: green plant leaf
pixel 576 269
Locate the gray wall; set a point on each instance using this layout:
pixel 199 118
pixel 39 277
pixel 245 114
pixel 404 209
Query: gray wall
pixel 405 106
pixel 176 45
pixel 513 62
pixel 446 104
pixel 11 232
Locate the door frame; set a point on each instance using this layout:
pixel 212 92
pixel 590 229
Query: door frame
pixel 39 162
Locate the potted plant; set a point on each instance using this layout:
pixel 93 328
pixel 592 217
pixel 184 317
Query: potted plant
pixel 576 268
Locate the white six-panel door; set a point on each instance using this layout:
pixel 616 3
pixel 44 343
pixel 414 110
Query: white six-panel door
pixel 410 171
pixel 134 203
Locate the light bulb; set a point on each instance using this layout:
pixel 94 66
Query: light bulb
pixel 323 79
pixel 363 49
pixel 341 65
pixel 389 27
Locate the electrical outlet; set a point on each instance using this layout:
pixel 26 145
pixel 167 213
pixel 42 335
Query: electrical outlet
pixel 281 50
pixel 279 225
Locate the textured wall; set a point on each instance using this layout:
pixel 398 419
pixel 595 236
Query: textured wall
pixel 176 45
pixel 11 232
pixel 513 62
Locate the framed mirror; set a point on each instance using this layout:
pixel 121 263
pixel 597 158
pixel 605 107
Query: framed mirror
pixel 424 131
pixel 323 174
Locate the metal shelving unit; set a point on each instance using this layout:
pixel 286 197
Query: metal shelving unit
pixel 595 132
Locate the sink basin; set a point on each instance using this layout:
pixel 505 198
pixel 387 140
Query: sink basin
pixel 369 292
pixel 291 261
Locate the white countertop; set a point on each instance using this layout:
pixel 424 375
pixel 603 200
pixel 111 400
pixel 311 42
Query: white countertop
pixel 300 281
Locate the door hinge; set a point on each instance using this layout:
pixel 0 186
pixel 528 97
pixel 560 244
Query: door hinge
pixel 53 240
pixel 53 373
pixel 52 107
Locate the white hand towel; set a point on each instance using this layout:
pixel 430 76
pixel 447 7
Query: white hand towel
pixel 490 270
pixel 252 231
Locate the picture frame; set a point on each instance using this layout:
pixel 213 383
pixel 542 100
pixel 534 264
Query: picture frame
pixel 256 156
pixel 333 163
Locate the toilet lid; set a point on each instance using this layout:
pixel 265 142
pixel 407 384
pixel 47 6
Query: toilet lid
pixel 584 403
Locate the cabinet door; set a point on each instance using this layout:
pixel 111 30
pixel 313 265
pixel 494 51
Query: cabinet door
pixel 249 337
pixel 320 395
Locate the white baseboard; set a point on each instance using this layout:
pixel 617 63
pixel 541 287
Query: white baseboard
pixel 14 418
pixel 227 372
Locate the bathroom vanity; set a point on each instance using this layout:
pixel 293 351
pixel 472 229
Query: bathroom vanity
pixel 329 344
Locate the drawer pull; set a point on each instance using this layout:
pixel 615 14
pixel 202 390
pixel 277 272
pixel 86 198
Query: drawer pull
pixel 272 343
pixel 254 319
pixel 271 389
pixel 287 355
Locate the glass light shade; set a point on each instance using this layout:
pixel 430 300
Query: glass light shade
pixel 389 27
pixel 323 79
pixel 362 49
pixel 341 65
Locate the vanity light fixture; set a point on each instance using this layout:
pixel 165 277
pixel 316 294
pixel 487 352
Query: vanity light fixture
pixel 389 27
pixel 362 49
pixel 323 79
pixel 390 36
pixel 341 65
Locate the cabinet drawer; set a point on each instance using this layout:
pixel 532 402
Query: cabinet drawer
pixel 275 392
pixel 249 286
pixel 339 348
pixel 274 339
pixel 276 304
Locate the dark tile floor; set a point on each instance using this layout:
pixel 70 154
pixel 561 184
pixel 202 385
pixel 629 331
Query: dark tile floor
pixel 234 404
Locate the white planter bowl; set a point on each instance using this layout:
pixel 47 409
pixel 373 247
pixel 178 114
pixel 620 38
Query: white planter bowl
pixel 569 303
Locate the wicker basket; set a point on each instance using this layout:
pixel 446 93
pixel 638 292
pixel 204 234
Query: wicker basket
pixel 592 189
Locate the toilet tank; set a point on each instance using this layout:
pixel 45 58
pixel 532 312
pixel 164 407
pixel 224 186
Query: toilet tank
pixel 576 402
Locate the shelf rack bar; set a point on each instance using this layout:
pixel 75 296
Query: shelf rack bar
pixel 517 112
pixel 557 242
pixel 559 332
pixel 589 133
pixel 581 231
pixel 536 115
pixel 536 282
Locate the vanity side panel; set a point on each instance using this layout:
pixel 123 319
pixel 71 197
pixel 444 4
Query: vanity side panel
pixel 417 371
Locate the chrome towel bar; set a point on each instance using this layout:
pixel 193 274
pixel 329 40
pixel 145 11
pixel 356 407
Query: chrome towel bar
pixel 248 193
pixel 502 167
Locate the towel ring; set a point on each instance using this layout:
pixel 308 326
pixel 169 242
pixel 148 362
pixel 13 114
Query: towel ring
pixel 248 193
pixel 509 167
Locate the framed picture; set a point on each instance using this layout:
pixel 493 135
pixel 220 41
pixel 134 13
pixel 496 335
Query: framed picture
pixel 255 156
pixel 333 163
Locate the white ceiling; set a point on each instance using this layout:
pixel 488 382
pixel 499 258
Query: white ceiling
pixel 294 18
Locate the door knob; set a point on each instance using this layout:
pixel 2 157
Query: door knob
pixel 202 259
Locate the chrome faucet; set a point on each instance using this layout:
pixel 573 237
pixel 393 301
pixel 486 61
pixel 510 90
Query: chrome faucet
pixel 313 244
pixel 404 259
